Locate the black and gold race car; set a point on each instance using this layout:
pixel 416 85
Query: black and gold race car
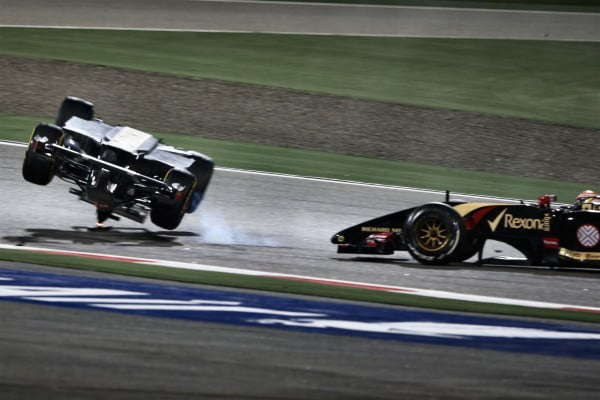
pixel 120 170
pixel 453 231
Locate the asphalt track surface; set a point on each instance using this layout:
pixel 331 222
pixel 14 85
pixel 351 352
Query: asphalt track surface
pixel 257 222
pixel 256 16
pixel 268 223
pixel 271 223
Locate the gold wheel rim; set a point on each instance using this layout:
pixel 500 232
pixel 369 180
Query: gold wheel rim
pixel 432 233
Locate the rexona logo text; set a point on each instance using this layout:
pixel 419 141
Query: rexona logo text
pixel 511 222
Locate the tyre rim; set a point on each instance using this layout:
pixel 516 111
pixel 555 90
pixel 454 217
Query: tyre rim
pixel 432 233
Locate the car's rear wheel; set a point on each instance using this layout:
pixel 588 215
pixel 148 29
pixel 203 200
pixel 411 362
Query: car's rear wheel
pixel 433 234
pixel 38 165
pixel 168 213
pixel 202 170
pixel 74 107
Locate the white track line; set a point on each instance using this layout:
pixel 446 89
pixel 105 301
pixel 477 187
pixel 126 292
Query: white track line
pixel 390 7
pixel 335 181
pixel 11 143
pixel 333 282
pixel 410 36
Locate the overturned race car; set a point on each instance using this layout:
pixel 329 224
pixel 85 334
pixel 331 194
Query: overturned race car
pixel 120 170
pixel 454 231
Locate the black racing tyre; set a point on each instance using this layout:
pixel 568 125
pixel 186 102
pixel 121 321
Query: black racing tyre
pixel 434 234
pixel 202 170
pixel 168 213
pixel 38 165
pixel 74 107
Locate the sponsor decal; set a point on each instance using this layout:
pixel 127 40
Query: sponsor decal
pixel 378 229
pixel 527 223
pixel 509 221
pixel 494 223
pixel 334 318
pixel 588 235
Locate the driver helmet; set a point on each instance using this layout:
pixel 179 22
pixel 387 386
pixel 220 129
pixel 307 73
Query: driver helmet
pixel 585 195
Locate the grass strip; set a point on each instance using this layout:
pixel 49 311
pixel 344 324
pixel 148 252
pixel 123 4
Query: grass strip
pixel 540 80
pixel 335 166
pixel 362 169
pixel 287 286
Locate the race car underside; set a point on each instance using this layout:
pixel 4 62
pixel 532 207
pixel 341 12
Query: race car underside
pixel 80 169
pixel 118 169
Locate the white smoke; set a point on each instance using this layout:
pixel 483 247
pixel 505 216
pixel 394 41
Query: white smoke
pixel 215 229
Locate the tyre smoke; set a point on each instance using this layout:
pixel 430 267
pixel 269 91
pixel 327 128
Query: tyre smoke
pixel 215 229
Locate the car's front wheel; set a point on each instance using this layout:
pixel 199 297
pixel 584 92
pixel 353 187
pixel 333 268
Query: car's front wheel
pixel 434 233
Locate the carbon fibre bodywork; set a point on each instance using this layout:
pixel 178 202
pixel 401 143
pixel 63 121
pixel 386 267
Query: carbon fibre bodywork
pixel 440 233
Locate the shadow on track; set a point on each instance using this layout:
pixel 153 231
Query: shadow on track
pixel 115 236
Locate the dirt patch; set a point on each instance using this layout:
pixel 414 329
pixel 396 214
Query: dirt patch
pixel 278 117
